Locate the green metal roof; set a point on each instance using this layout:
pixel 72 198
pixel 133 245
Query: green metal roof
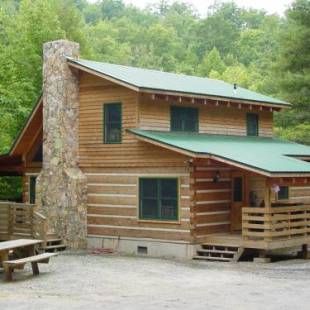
pixel 164 81
pixel 266 154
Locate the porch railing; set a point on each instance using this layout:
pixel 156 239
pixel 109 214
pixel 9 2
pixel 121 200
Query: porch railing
pixel 19 220
pixel 276 223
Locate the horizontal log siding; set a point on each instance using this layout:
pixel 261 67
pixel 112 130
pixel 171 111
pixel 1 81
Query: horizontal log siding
pixel 210 202
pixel 300 194
pixel 131 152
pixel 257 184
pixel 113 202
pixel 155 115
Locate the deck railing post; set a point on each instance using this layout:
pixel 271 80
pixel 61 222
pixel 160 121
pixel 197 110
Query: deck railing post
pixel 10 221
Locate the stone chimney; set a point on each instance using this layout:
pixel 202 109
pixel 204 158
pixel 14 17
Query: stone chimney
pixel 61 185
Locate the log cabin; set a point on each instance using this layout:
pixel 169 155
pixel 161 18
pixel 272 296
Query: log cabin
pixel 157 163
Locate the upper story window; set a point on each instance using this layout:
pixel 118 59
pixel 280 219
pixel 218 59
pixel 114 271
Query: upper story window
pixel 252 124
pixel 112 122
pixel 184 119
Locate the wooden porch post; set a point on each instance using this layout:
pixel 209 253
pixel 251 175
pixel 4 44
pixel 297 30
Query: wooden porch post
pixel 192 201
pixel 267 196
pixel 267 216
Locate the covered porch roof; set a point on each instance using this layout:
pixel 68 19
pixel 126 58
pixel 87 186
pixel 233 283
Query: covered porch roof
pixel 267 156
pixel 11 165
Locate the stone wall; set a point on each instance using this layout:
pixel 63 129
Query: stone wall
pixel 61 186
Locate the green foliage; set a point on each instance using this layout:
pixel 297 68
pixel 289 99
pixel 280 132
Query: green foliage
pixel 298 133
pixel 258 51
pixel 294 72
pixel 11 188
pixel 211 62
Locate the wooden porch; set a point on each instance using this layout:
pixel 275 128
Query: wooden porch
pixel 22 221
pixel 276 227
pixel 236 209
pixel 268 229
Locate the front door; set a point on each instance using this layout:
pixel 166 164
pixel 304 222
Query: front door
pixel 238 200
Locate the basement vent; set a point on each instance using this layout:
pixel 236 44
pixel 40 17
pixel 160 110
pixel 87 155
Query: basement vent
pixel 142 250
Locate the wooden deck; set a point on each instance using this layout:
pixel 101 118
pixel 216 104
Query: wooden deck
pixel 276 228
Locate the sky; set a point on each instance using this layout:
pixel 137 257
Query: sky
pixel 271 6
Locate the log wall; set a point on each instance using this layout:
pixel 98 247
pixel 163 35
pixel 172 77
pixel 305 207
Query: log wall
pixel 94 92
pixel 113 206
pixel 155 115
pixel 300 194
pixel 210 204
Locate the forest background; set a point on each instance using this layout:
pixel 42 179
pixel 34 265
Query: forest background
pixel 263 52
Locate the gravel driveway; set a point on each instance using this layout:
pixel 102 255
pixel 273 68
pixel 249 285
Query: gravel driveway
pixel 79 281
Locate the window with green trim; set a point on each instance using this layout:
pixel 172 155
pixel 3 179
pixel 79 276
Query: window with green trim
pixel 158 199
pixel 283 194
pixel 252 124
pixel 112 122
pixel 184 119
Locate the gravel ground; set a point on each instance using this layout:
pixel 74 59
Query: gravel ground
pixel 79 281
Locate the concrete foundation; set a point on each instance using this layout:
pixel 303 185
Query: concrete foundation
pixel 144 247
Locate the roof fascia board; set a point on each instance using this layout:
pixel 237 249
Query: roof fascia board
pixel 20 135
pixel 169 147
pixel 218 98
pixel 101 75
pixel 241 166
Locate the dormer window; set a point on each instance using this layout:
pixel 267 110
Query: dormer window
pixel 184 119
pixel 252 124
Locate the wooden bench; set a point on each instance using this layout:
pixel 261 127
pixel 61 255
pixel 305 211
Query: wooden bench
pixel 10 265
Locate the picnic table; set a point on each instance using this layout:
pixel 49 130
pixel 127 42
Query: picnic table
pixel 25 248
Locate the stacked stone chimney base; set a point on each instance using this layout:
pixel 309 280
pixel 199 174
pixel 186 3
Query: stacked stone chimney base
pixel 61 186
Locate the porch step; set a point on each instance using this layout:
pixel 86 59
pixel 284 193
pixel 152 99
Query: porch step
pixel 56 240
pixel 54 248
pixel 223 259
pixel 54 245
pixel 218 252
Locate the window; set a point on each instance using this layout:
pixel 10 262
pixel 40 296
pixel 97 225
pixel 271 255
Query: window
pixel 184 119
pixel 112 123
pixel 283 194
pixel 158 199
pixel 238 189
pixel 252 124
pixel 32 190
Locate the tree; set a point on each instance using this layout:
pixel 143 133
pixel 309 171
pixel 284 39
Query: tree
pixel 294 68
pixel 211 62
pixel 220 29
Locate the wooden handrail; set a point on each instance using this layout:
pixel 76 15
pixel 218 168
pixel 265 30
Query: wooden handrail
pixel 40 227
pixel 19 220
pixel 276 223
